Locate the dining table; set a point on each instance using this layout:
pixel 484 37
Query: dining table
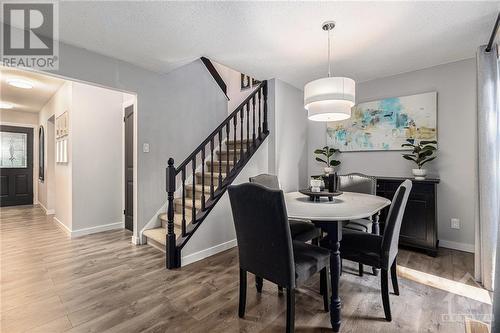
pixel 329 216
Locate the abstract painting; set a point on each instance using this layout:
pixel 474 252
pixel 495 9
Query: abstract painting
pixel 386 124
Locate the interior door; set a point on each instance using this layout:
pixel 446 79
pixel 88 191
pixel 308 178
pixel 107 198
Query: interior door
pixel 129 167
pixel 16 166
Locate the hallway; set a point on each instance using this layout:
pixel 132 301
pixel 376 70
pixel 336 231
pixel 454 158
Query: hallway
pixel 101 282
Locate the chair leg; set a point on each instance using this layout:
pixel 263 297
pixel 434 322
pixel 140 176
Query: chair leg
pixel 290 310
pixel 258 283
pixel 325 287
pixel 243 293
pixel 394 278
pixel 341 266
pixel 360 268
pixel 385 294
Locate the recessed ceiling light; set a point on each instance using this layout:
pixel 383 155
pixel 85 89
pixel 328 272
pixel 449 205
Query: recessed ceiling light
pixel 5 105
pixel 19 83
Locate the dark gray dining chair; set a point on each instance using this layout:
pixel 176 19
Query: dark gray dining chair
pixel 301 230
pixel 359 183
pixel 380 251
pixel 266 249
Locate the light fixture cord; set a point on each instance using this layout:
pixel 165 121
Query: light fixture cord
pixel 329 65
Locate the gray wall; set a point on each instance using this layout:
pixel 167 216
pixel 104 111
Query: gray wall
pixel 174 113
pixel 455 84
pixel 288 135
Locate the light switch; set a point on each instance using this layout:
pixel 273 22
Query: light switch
pixel 455 223
pixel 145 147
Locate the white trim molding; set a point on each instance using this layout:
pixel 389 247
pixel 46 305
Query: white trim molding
pixel 88 231
pixel 62 226
pixel 100 228
pixel 456 246
pixel 47 211
pixel 193 257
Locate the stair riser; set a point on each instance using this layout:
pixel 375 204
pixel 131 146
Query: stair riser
pixel 239 145
pixel 189 209
pixel 223 155
pixel 207 180
pixel 224 168
pixel 197 193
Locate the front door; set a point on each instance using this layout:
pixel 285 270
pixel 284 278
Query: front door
pixel 129 167
pixel 16 166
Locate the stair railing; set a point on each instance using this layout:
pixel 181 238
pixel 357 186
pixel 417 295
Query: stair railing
pixel 252 126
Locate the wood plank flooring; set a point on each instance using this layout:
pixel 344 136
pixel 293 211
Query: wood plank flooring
pixel 103 283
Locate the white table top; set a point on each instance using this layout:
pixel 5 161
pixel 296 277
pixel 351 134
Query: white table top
pixel 347 206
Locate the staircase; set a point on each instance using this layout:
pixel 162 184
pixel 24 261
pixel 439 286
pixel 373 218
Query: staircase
pixel 206 173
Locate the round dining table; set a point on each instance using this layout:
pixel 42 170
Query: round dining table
pixel 329 215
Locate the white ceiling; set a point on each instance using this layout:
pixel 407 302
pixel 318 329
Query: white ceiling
pixel 28 100
pixel 282 39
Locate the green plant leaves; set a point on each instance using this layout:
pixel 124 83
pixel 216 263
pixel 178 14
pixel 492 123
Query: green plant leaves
pixel 334 163
pixel 321 160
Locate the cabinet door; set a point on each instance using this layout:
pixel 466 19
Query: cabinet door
pixel 414 229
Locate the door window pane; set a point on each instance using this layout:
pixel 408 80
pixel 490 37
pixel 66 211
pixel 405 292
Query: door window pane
pixel 14 152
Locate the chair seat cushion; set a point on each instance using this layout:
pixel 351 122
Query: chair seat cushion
pixel 359 225
pixel 303 230
pixel 361 247
pixel 309 259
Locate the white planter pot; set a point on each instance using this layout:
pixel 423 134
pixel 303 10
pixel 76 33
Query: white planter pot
pixel 419 173
pixel 329 170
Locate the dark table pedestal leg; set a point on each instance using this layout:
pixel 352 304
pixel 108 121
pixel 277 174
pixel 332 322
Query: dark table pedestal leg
pixel 376 231
pixel 334 231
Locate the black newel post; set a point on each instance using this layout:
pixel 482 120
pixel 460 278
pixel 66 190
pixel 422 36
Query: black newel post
pixel 265 126
pixel 171 257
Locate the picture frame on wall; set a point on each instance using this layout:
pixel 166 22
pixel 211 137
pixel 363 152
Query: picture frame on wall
pixel 62 125
pixel 386 124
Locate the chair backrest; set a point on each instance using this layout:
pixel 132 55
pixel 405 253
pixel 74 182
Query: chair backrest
pixel 266 180
pixel 393 222
pixel 263 233
pixel 358 182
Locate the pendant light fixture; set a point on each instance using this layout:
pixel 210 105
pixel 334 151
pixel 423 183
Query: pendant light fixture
pixel 329 98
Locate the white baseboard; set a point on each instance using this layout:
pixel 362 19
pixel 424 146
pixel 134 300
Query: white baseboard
pixel 99 228
pixel 135 240
pixel 457 246
pixel 62 226
pixel 88 231
pixel 193 257
pixel 47 211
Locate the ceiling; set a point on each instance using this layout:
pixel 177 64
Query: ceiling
pixel 282 39
pixel 28 100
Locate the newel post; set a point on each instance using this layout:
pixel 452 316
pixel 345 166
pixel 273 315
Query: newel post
pixel 264 92
pixel 171 257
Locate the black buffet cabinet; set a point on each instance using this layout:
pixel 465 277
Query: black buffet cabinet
pixel 419 228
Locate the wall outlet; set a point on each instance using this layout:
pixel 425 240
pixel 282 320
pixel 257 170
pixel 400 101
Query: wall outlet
pixel 455 223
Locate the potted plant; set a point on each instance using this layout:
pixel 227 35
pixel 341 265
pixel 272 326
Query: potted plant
pixel 326 155
pixel 422 152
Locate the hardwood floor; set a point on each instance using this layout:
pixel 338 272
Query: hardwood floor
pixel 102 282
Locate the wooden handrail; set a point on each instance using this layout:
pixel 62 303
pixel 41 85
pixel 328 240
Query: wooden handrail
pixel 256 105
pixel 215 74
pixel 263 84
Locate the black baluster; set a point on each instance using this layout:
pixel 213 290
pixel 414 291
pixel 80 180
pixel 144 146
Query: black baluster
pixel 212 168
pixel 183 223
pixel 242 114
pixel 202 179
pixel 227 149
pixel 253 121
pixel 260 122
pixel 266 130
pixel 248 126
pixel 193 162
pixel 235 123
pixel 171 257
pixel 220 160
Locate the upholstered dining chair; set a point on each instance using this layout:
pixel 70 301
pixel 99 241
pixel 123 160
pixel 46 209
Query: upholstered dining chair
pixel 301 230
pixel 380 251
pixel 266 248
pixel 360 183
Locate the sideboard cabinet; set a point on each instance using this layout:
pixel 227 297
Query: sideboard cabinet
pixel 419 227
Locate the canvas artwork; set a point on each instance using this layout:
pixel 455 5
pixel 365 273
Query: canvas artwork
pixel 386 124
